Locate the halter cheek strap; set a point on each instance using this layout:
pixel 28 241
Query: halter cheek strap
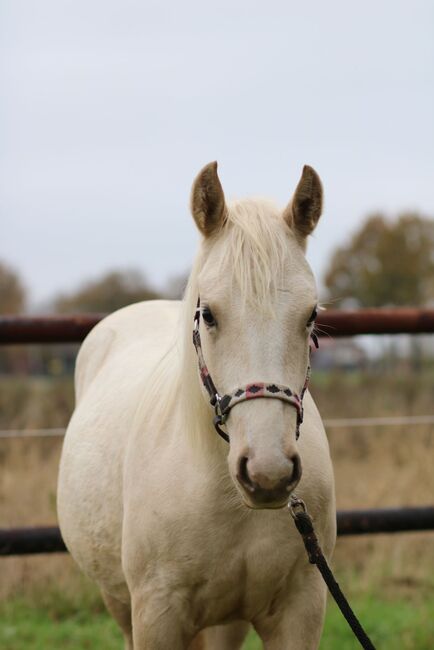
pixel 223 404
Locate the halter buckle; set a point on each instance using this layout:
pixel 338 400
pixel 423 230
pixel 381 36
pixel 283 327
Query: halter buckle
pixel 222 417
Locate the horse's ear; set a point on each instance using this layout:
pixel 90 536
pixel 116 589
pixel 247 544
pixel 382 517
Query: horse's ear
pixel 208 201
pixel 305 208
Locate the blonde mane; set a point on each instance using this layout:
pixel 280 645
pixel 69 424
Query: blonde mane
pixel 255 246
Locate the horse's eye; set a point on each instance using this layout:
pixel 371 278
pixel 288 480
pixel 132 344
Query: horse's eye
pixel 313 316
pixel 208 317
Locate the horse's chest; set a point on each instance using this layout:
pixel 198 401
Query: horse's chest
pixel 245 580
pixel 213 563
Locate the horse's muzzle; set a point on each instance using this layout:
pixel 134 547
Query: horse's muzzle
pixel 264 492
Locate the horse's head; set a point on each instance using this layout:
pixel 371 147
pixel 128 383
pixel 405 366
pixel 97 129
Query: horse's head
pixel 258 305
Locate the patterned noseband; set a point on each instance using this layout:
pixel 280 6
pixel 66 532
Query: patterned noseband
pixel 224 403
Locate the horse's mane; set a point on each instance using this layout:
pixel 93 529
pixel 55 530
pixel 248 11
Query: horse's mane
pixel 255 244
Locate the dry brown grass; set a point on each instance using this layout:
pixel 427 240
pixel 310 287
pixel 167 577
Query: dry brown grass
pixel 28 476
pixel 383 467
pixel 374 467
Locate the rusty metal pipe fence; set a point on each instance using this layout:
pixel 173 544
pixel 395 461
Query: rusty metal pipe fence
pixel 73 329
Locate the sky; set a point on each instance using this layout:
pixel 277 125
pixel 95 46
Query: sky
pixel 109 108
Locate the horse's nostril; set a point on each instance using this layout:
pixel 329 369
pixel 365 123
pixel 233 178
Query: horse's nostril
pixel 243 474
pixel 296 471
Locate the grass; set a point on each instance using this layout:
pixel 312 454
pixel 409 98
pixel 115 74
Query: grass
pixel 393 624
pixel 37 630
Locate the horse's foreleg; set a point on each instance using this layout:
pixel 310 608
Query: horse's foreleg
pixel 122 615
pixel 298 626
pixel 222 637
pixel 158 624
pixel 198 642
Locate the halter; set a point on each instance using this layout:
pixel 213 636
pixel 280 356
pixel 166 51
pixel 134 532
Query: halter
pixel 223 404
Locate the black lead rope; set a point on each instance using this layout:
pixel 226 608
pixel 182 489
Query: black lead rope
pixel 304 524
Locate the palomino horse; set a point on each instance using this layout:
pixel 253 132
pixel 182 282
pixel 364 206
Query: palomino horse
pixel 187 536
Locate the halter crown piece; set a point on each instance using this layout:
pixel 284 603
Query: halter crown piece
pixel 224 403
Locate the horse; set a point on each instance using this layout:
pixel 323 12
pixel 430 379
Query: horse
pixel 188 537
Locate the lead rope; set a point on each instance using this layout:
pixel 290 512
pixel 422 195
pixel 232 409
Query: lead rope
pixel 304 524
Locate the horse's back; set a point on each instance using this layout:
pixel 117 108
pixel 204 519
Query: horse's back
pixel 113 365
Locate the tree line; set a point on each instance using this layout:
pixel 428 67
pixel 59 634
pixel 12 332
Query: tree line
pixel 386 262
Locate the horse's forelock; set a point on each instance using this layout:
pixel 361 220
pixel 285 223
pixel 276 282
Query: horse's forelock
pixel 254 245
pixel 256 249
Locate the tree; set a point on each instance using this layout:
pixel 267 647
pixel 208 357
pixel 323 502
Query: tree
pixel 112 291
pixel 385 263
pixel 12 291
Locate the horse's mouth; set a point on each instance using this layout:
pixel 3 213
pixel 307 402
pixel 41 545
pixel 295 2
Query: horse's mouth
pixel 268 506
pixel 264 501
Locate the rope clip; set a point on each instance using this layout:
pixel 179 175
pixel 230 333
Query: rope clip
pixel 295 506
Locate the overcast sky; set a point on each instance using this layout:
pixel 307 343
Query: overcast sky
pixel 108 108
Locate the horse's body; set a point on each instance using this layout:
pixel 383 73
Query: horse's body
pixel 148 506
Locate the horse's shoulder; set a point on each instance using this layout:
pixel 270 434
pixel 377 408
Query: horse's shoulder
pixel 127 326
pixel 136 318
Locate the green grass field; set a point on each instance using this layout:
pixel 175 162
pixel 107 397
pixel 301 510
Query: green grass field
pixel 394 625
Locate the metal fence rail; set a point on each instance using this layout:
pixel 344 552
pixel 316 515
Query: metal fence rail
pixel 47 539
pixel 337 323
pixel 332 423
